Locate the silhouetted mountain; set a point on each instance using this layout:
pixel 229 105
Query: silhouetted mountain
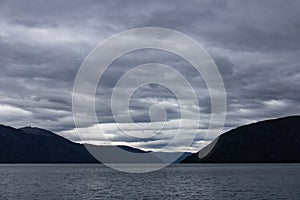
pixel 276 140
pixel 36 145
pixel 174 157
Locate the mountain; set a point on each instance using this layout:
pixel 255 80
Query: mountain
pixel 36 145
pixel 174 157
pixel 271 141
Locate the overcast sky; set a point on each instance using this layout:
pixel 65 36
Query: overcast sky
pixel 255 45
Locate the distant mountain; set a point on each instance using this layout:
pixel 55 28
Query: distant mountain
pixel 276 140
pixel 172 157
pixel 36 145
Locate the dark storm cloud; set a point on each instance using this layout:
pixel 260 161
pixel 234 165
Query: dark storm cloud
pixel 255 45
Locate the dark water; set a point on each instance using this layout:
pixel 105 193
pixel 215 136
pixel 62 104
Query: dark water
pixel 246 181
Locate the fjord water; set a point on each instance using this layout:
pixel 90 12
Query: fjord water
pixel 180 181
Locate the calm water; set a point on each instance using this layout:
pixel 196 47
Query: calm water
pixel 247 181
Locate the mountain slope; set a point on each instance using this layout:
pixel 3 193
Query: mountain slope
pixel 33 145
pixel 276 140
pixel 36 145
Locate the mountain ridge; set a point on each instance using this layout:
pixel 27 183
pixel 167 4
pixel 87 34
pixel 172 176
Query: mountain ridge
pixel 17 146
pixel 37 145
pixel 273 140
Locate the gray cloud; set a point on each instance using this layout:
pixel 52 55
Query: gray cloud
pixel 255 45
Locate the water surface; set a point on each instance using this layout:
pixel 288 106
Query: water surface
pixel 203 181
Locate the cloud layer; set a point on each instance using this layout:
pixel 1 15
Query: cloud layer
pixel 255 44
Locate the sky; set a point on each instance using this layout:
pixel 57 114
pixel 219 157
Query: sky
pixel 255 45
